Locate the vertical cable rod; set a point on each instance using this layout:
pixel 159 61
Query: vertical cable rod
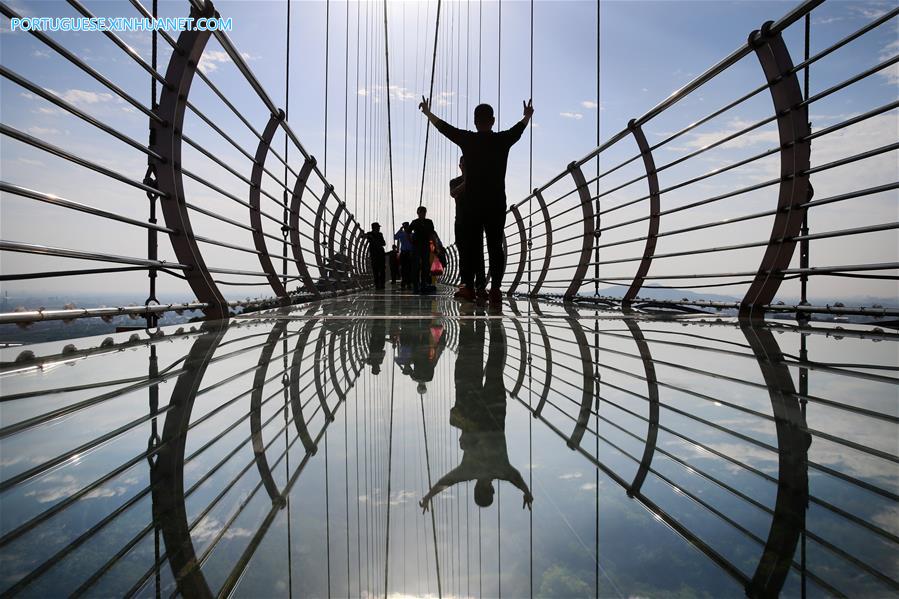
pixel 389 132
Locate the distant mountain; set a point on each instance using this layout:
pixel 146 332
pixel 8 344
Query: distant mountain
pixel 657 293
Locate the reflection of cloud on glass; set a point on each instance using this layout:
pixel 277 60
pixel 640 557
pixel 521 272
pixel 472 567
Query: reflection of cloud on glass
pixel 888 518
pixel 62 486
pixel 209 527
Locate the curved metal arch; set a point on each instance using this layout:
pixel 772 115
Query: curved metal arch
pixel 167 474
pixel 587 366
pixel 295 246
pixel 351 253
pixel 652 389
pixel 652 180
pixel 547 250
pixel 165 141
pixel 793 442
pixel 332 239
pixel 317 237
pixel 795 159
pixel 262 149
pixel 522 255
pixel 265 358
pixel 345 249
pixel 589 230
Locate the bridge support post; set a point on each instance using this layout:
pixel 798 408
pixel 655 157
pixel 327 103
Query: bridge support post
pixel 295 245
pixel 262 149
pixel 589 231
pixel 795 152
pixel 317 237
pixel 652 179
pixel 165 140
pixel 333 249
pixel 547 250
pixel 523 252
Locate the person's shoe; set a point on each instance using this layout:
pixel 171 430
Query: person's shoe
pixel 481 296
pixel 495 298
pixel 465 294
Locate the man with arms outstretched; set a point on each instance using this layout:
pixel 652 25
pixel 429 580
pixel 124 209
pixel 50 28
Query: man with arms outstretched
pixel 486 154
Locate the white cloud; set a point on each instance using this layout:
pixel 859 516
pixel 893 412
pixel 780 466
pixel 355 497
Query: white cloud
pixel 570 475
pixel 211 59
pixel 701 140
pixel 571 115
pixel 589 104
pixel 41 54
pixel 891 73
pixel 80 96
pixel 868 12
pixel 41 131
pixel 209 62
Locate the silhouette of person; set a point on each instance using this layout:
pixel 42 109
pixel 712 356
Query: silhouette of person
pixel 486 154
pixel 376 245
pixel 480 413
pixel 469 240
pixel 419 345
pixel 422 229
pixel 404 238
pixel 377 337
pixel 394 260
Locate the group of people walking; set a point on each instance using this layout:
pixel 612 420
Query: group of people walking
pixel 480 197
pixel 417 258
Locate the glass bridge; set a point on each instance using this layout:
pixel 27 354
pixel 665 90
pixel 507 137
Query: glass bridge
pixel 290 452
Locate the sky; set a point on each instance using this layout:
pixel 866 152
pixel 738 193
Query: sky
pixel 647 49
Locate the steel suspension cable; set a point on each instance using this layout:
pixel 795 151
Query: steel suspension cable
pixel 285 215
pixel 430 99
pixel 327 64
pixel 389 124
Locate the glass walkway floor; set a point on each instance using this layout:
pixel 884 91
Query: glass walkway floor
pixel 291 453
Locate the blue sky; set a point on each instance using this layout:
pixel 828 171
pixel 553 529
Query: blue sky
pixel 648 49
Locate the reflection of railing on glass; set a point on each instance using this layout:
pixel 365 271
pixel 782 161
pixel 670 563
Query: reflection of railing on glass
pixel 545 262
pixel 596 406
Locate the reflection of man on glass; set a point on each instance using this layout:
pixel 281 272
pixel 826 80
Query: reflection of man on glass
pixel 480 413
pixel 376 341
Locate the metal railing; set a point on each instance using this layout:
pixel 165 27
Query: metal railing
pixel 722 198
pixel 256 217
